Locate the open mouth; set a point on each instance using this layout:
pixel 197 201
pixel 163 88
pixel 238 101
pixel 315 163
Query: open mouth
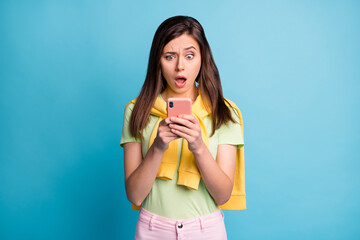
pixel 180 81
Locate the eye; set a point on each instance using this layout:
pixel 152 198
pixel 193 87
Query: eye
pixel 190 56
pixel 169 57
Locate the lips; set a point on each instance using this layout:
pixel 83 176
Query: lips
pixel 180 77
pixel 180 81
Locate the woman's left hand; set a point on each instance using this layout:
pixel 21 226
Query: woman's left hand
pixel 188 127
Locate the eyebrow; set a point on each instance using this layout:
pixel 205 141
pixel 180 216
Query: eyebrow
pixel 184 49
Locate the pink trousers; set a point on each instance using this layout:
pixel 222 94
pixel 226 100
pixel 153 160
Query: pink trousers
pixel 154 227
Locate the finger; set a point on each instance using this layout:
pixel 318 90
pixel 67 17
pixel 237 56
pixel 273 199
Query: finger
pixel 165 128
pixel 191 118
pixel 168 133
pixel 170 138
pixel 164 122
pixel 182 121
pixel 183 129
pixel 181 134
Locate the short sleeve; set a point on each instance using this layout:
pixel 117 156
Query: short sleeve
pixel 125 134
pixel 231 133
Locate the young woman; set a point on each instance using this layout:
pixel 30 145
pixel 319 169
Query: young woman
pixel 181 171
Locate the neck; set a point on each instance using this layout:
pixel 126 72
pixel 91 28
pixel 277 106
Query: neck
pixel 167 93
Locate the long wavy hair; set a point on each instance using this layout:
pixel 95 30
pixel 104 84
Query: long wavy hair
pixel 208 78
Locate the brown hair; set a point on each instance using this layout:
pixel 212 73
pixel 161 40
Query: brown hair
pixel 208 78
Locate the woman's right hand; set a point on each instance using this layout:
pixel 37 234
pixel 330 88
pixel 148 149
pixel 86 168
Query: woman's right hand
pixel 164 135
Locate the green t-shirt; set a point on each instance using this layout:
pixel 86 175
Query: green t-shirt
pixel 168 199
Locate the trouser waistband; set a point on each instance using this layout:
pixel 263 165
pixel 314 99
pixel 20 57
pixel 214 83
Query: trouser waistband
pixel 168 223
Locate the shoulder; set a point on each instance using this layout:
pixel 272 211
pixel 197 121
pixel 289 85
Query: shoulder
pixel 130 106
pixel 128 110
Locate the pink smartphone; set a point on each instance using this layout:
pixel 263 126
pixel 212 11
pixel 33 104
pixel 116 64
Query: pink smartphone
pixel 178 106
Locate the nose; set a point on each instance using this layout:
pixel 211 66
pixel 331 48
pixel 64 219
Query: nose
pixel 180 65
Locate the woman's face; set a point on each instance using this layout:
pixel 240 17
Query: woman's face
pixel 180 65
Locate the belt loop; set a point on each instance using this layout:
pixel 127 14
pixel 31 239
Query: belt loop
pixel 151 222
pixel 201 223
pixel 222 213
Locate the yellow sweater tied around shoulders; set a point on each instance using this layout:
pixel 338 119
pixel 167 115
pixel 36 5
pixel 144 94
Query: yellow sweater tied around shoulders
pixel 189 174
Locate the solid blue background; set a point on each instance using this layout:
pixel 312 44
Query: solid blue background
pixel 69 67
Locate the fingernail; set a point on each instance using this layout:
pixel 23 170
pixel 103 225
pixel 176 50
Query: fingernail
pixel 172 118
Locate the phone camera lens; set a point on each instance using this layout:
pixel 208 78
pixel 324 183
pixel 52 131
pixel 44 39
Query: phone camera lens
pixel 171 104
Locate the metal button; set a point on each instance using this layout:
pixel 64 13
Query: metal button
pixel 180 225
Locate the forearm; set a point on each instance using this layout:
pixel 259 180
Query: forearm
pixel 216 181
pixel 140 182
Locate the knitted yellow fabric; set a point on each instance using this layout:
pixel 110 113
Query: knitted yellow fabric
pixel 189 174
